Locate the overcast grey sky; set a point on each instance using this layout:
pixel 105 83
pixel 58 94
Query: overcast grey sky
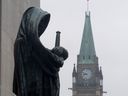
pixel 109 20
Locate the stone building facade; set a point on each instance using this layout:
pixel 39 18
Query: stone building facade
pixel 11 12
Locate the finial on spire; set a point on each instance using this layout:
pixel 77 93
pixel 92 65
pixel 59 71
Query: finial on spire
pixel 88 6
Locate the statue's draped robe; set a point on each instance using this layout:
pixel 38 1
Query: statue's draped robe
pixel 36 67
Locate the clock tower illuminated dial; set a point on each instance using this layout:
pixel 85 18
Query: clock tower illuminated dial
pixel 86 74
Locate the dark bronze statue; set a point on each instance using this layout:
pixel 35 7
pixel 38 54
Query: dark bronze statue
pixel 36 67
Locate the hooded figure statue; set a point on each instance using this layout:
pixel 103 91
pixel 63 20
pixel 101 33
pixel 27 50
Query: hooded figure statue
pixel 36 67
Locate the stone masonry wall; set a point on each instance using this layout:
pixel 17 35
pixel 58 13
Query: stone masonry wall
pixel 12 11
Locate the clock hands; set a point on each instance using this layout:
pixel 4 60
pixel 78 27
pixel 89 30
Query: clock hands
pixel 86 74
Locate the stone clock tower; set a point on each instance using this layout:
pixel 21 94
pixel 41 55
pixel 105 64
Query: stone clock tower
pixel 87 77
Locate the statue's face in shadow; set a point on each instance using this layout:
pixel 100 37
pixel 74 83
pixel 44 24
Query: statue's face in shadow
pixel 43 24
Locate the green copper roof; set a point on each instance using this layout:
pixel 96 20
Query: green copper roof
pixel 87 53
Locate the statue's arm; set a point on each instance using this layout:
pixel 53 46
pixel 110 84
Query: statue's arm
pixel 48 61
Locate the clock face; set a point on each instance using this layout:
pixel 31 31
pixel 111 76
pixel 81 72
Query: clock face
pixel 86 74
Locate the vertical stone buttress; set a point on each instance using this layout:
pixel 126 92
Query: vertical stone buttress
pixel 11 12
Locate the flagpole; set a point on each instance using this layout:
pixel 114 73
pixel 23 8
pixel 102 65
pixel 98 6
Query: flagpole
pixel 88 6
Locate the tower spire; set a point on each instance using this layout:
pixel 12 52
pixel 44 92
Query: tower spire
pixel 87 53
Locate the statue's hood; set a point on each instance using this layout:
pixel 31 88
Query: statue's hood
pixel 34 21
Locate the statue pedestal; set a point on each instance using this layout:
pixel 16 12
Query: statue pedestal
pixel 6 92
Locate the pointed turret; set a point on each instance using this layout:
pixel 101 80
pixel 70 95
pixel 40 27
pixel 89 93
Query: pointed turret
pixel 74 75
pixel 74 71
pixel 87 53
pixel 101 77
